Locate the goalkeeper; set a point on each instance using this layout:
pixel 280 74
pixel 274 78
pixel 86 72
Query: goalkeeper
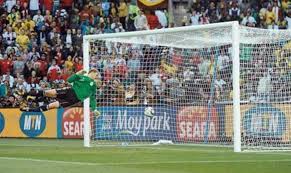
pixel 82 86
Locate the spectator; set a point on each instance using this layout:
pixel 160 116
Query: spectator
pixel 85 14
pixel 212 13
pixel 67 5
pixel 156 82
pixel 123 12
pixel 107 25
pixel 53 37
pixel 204 67
pixel 175 92
pixel 224 16
pixel 29 24
pixel 78 38
pixel 177 59
pixel 11 102
pixel 108 68
pixel 188 74
pixel 68 39
pixel 53 71
pixel 133 65
pixel 234 11
pixel 3 88
pixel 78 64
pixel 288 20
pixel 204 19
pixel 285 5
pixel 9 5
pixel 153 21
pixel 162 18
pixel 13 16
pixel 204 89
pixel 194 19
pixel 223 60
pixel 48 18
pixel 140 21
pixel 264 87
pixel 66 73
pixel 219 85
pixel 6 65
pixel 24 11
pixel 22 40
pixel 148 92
pixel 276 10
pixel 47 5
pixel 9 78
pixel 105 8
pixel 56 5
pixel 184 21
pixel 270 17
pixel 85 26
pixel 9 37
pixel 33 6
pixel 17 26
pixel 121 68
pixel 38 17
pixel 248 19
pixel 113 10
pixel 112 93
pixel 281 23
pixel 69 65
pixel 18 66
pixel 116 26
pixel 131 95
pixel 42 65
pixel 42 36
pixel 33 78
pixel 132 13
pixel 33 55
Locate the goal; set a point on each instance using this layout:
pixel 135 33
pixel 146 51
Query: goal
pixel 218 84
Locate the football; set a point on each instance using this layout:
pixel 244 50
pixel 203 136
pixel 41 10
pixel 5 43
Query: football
pixel 149 111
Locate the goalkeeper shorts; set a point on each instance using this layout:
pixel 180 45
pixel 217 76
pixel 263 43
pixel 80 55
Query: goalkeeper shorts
pixel 67 97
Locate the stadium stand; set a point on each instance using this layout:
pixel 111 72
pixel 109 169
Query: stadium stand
pixel 41 45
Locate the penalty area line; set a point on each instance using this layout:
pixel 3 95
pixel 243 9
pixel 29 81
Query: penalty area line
pixel 138 163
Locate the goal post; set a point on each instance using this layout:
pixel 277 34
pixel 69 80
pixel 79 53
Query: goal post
pixel 191 85
pixel 236 87
pixel 86 104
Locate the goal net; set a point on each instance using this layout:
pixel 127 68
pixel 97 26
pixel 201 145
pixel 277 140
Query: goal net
pixel 265 95
pixel 217 84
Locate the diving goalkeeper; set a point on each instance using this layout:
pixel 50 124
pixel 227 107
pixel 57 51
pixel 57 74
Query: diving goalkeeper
pixel 82 86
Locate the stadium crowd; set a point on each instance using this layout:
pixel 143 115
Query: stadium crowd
pixel 268 14
pixel 41 46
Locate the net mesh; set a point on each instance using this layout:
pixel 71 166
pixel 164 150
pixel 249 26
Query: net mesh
pixel 177 86
pixel 265 89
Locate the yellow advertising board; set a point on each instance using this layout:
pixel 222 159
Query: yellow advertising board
pixel 150 3
pixel 264 120
pixel 14 123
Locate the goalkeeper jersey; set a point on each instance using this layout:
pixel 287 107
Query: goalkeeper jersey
pixel 84 87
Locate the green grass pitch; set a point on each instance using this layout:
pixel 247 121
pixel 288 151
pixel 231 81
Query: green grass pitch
pixel 68 156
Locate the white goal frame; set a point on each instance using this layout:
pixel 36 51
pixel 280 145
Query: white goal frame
pixel 236 71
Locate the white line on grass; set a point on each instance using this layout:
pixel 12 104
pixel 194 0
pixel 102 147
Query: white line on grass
pixel 140 163
pixel 215 150
pixel 172 148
